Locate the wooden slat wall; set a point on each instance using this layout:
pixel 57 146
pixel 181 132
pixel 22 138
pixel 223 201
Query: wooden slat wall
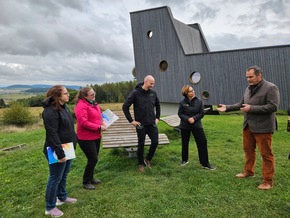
pixel 223 72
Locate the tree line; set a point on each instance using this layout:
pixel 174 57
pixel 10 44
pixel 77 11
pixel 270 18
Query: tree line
pixel 105 93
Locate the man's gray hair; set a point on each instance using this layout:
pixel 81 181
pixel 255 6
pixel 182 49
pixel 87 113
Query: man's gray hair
pixel 257 70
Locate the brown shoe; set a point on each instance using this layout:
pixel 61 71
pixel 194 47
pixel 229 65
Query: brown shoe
pixel 141 168
pixel 244 175
pixel 148 163
pixel 265 186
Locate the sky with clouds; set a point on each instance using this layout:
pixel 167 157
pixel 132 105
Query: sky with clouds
pixel 80 42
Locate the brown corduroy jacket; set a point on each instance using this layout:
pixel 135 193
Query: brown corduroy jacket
pixel 264 100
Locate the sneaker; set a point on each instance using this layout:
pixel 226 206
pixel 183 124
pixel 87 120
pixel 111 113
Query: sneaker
pixel 95 181
pixel 141 168
pixel 89 186
pixel 55 212
pixel 265 186
pixel 148 163
pixel 67 200
pixel 244 175
pixel 208 167
pixel 183 163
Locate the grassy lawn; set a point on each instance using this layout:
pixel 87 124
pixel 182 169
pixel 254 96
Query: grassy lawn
pixel 167 190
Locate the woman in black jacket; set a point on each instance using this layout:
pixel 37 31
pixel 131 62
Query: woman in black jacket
pixel 59 126
pixel 191 111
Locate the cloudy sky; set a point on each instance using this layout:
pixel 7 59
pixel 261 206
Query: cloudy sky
pixel 80 42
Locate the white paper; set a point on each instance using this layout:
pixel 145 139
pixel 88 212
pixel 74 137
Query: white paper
pixel 109 117
pixel 68 149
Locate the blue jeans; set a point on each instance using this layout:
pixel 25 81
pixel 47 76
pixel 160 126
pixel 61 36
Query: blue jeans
pixel 56 185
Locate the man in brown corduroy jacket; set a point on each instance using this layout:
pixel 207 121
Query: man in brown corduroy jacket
pixel 259 104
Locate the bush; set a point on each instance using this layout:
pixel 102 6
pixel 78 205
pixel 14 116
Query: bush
pixel 18 115
pixel 2 103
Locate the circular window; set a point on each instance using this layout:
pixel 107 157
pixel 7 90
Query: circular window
pixel 163 65
pixel 205 95
pixel 134 72
pixel 149 34
pixel 195 77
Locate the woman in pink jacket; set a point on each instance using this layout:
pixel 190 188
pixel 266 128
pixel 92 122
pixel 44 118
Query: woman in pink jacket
pixel 89 127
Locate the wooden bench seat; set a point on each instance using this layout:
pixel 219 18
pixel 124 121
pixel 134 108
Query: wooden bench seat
pixel 125 140
pixel 172 120
pixel 122 134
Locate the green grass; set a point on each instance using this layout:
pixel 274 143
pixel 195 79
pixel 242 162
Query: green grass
pixel 167 190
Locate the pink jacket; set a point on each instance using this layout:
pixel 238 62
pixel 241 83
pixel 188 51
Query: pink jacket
pixel 89 120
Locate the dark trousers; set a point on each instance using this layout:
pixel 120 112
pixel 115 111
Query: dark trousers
pixel 91 150
pixel 200 141
pixel 152 132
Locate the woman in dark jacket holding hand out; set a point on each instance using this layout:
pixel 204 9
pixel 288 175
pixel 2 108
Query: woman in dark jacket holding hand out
pixel 191 111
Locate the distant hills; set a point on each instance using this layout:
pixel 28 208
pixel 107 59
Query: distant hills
pixel 32 89
pixel 37 86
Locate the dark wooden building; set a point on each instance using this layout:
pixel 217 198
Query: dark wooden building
pixel 176 54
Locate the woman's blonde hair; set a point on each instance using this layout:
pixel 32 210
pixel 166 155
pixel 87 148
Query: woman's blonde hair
pixel 185 90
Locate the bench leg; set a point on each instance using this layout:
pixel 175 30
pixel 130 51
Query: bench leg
pixel 132 152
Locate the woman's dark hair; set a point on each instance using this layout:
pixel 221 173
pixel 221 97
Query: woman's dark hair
pixel 83 92
pixel 54 93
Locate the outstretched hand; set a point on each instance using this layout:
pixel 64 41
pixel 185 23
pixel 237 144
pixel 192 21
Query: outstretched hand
pixel 222 108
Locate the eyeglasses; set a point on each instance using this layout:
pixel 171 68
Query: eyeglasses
pixel 93 94
pixel 191 90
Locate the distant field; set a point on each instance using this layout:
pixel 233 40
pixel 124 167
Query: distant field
pixel 36 111
pixel 112 106
pixel 9 95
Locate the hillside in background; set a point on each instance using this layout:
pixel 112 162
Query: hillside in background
pixel 37 86
pixel 16 92
pixel 32 95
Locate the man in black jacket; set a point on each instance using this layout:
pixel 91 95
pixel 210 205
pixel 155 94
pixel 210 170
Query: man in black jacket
pixel 146 113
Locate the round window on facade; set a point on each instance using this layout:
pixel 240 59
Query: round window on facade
pixel 205 95
pixel 149 34
pixel 195 77
pixel 134 72
pixel 163 65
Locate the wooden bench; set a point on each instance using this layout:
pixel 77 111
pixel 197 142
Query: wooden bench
pixel 172 120
pixel 122 134
pixel 13 147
